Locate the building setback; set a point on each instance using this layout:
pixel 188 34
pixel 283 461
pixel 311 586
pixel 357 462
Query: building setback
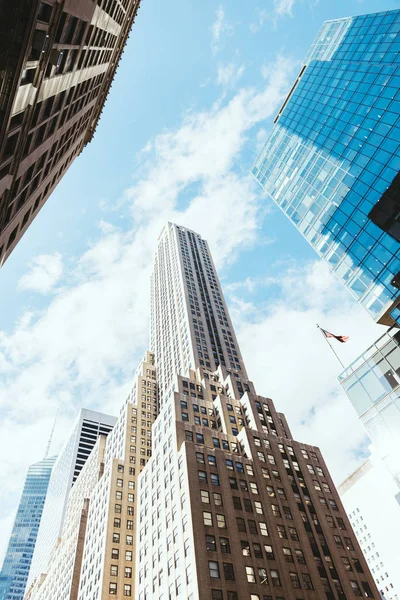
pixel 88 426
pixel 332 159
pixel 57 62
pixel 204 495
pixel 14 574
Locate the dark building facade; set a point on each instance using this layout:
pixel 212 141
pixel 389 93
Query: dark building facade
pixel 57 62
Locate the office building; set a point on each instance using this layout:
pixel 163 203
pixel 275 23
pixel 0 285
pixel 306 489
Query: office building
pixel 332 159
pixel 224 504
pixel 88 426
pixel 57 62
pixel 14 574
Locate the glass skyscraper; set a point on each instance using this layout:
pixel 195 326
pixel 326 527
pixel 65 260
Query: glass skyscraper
pixel 17 561
pixel 332 159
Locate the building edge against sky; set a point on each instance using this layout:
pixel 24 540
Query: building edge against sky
pixel 58 59
pixel 88 426
pixel 199 490
pixel 332 158
pixel 17 560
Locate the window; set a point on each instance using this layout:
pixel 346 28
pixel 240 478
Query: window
pixel 233 483
pixel 349 543
pixel 217 499
pixel 237 502
pixel 338 541
pixel 340 523
pixel 257 550
pixel 258 507
pixel 221 521
pixel 293 534
pixel 229 573
pixel 203 476
pixel 248 507
pixel 200 457
pixel 217 595
pixel 112 590
pixel 367 590
pixel 346 563
pixel 114 553
pixel 307 581
pixel 253 487
pixel 287 553
pixel 300 557
pixel 128 572
pixel 189 435
pixel 213 569
pixel 281 532
pixel 250 574
pixel 207 519
pixel 224 545
pixel 214 478
pixel 115 538
pixel 128 555
pixel 245 548
pixel 262 576
pixel 199 438
pixel 263 528
pixel 356 588
pixel 229 464
pixel 331 521
pixel 275 579
pixel 120 482
pixel 205 496
pixel 294 578
pixel 252 526
pixel 275 510
pixel 127 589
pixel 332 504
pixel 212 460
pixel 114 570
pixel 241 524
pixel 269 552
pixel 211 545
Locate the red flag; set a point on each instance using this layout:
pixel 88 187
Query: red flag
pixel 340 338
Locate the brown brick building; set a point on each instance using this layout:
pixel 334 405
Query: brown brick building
pixel 57 62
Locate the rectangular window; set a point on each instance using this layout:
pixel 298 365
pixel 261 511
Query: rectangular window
pixel 205 496
pixel 207 519
pixel 250 574
pixel 224 545
pixel 229 573
pixel 214 477
pixel 221 521
pixel 213 569
pixel 211 545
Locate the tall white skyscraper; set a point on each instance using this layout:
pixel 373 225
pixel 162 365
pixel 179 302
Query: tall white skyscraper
pixel 88 426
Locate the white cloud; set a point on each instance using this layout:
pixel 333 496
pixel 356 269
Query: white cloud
pixel 219 29
pixel 284 7
pixel 228 75
pixel 45 272
pixel 83 349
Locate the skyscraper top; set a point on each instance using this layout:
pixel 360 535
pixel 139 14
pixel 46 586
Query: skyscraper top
pixel 331 160
pixel 190 324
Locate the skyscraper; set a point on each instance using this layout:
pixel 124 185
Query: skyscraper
pixel 332 159
pixel 224 504
pixel 88 426
pixel 14 574
pixel 57 63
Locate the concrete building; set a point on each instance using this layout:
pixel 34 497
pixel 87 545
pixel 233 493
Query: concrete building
pixel 204 495
pixel 371 498
pixel 57 62
pixel 332 159
pixel 88 426
pixel 14 573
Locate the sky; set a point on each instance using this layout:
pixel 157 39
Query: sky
pixel 193 100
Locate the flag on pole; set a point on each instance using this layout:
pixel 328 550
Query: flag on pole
pixel 340 338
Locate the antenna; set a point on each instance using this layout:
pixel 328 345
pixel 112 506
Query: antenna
pixel 51 435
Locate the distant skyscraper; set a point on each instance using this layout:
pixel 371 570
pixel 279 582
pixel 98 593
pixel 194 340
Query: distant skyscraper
pixel 14 574
pixel 204 495
pixel 332 159
pixel 57 62
pixel 86 429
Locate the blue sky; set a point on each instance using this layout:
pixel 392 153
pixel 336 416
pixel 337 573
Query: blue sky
pixel 194 97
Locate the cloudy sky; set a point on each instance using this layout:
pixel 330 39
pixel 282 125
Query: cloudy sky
pixel 192 103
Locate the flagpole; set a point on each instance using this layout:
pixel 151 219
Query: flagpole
pixel 330 345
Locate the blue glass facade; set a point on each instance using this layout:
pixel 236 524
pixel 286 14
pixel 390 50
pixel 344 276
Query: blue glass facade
pixel 332 158
pixel 17 561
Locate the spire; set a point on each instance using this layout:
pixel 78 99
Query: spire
pixel 46 454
